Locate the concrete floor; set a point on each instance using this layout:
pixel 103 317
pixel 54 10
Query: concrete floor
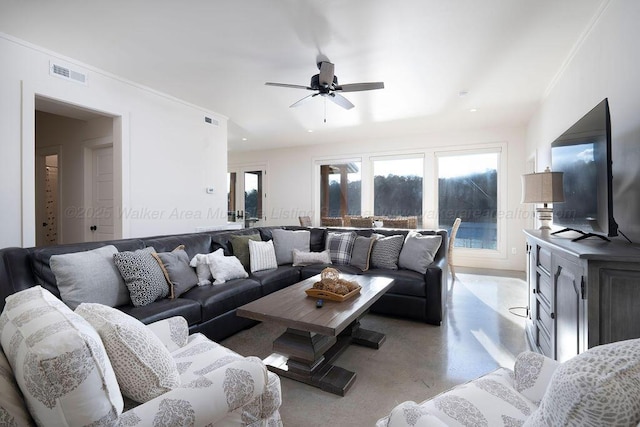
pixel 417 361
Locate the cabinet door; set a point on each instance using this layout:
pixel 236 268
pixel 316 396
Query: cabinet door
pixel 568 308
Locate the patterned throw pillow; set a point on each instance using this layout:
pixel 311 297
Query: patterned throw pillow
pixel 301 258
pixel 340 246
pixel 143 365
pixel 142 275
pixel 58 361
pixel 13 410
pixel 386 251
pixel 532 373
pixel 596 388
pixel 263 255
pixel 225 268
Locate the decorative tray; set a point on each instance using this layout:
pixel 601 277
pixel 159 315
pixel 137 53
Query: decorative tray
pixel 332 296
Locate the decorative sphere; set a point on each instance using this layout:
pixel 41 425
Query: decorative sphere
pixel 329 276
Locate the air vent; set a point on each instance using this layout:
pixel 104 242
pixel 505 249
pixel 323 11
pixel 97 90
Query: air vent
pixel 67 73
pixel 211 121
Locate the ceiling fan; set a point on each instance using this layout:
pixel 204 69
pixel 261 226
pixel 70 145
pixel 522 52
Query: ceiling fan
pixel 326 85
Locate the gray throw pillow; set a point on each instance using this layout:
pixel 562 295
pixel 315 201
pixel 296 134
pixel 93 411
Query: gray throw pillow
pixel 89 276
pixel 418 251
pixel 386 251
pixel 240 245
pixel 285 241
pixel 340 246
pixel 142 275
pixel 362 252
pixel 177 271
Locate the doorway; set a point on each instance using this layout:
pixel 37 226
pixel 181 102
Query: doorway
pixel 246 196
pixel 47 196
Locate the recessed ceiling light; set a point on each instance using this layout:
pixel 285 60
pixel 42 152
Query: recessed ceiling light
pixel 244 139
pixel 310 130
pixel 473 110
pixel 463 93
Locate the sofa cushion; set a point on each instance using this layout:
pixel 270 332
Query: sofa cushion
pixel 317 239
pixel 142 275
pixel 361 253
pixel 194 243
pixel 274 280
pixel 13 409
pixel 89 276
pixel 595 388
pixel 143 365
pixel 312 270
pixel 218 300
pixel 285 241
pixel 172 332
pixel 224 268
pixel 340 246
pixel 263 255
pixel 240 245
pixel 418 251
pixel 165 308
pixel 405 282
pixel 302 258
pixel 386 251
pixel 58 361
pixel 175 266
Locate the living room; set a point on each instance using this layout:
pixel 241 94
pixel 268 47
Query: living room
pixel 155 132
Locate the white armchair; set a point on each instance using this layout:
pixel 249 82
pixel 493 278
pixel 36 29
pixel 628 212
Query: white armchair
pixel 65 368
pixel 596 388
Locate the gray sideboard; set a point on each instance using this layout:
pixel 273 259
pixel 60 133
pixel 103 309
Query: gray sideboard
pixel 580 294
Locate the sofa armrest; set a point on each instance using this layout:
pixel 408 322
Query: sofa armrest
pixel 173 332
pixel 435 281
pixel 532 374
pixel 206 401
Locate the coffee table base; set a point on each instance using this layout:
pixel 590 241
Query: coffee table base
pixel 307 357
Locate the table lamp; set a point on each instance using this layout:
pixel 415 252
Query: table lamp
pixel 543 187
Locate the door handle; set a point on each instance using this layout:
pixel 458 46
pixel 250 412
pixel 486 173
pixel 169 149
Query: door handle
pixel 93 228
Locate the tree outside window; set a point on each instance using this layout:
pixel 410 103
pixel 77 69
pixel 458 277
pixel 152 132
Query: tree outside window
pixel 468 189
pixel 397 188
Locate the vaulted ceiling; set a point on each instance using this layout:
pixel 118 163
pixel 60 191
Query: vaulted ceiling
pixel 504 54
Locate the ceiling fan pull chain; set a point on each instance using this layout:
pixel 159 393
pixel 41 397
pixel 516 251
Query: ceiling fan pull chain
pixel 325 108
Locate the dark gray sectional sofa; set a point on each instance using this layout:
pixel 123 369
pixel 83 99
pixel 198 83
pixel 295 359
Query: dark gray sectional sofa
pixel 211 309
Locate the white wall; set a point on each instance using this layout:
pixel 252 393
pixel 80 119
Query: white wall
pixel 166 154
pixel 605 65
pixel 290 180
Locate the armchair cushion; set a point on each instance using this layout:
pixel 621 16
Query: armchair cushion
pixel 13 409
pixel 172 332
pixel 143 365
pixel 58 361
pixel 532 374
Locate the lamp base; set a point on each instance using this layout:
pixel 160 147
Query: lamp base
pixel 545 215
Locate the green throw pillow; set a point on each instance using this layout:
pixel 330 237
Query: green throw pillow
pixel 240 245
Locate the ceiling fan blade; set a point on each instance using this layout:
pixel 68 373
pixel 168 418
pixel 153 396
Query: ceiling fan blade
pixel 288 85
pixel 357 87
pixel 326 74
pixel 303 100
pixel 340 100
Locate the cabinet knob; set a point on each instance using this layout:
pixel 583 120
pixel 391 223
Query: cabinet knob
pixel 553 316
pixel 534 291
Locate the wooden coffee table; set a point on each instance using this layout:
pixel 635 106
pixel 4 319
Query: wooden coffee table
pixel 315 337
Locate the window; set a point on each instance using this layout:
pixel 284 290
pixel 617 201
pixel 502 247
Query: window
pixel 340 189
pixel 468 188
pixel 397 187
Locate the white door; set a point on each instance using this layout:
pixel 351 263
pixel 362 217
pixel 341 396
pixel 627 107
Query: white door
pixel 101 213
pixel 247 196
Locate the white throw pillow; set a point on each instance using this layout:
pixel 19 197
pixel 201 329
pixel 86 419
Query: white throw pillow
pixel 263 255
pixel 302 258
pixel 201 264
pixel 143 365
pixel 59 362
pixel 225 268
pixel 13 409
pixel 89 276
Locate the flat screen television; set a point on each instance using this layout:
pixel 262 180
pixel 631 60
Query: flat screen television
pixel 583 154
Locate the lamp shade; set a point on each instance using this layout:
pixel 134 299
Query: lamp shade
pixel 542 187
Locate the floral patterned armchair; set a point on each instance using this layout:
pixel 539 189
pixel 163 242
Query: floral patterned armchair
pixel 596 388
pixel 64 368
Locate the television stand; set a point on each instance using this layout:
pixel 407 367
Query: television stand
pixel 583 234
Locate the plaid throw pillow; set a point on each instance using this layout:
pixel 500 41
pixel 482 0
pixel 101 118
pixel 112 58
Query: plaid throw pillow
pixel 340 246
